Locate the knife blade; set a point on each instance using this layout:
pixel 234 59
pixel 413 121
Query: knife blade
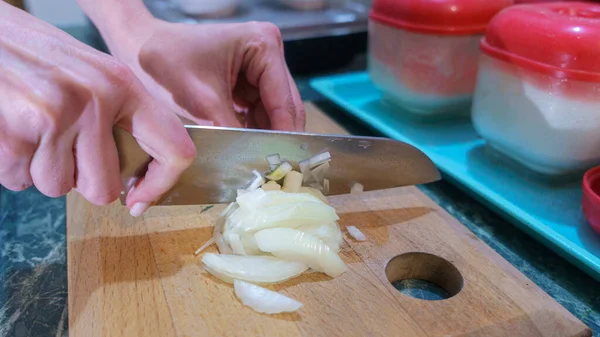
pixel 227 156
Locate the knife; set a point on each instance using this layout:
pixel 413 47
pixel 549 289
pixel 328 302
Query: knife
pixel 227 156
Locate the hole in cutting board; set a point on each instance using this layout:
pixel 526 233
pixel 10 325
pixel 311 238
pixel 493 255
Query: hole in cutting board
pixel 424 276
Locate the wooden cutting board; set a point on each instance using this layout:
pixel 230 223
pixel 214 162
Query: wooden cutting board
pixel 139 277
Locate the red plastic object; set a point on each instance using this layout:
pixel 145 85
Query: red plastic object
pixel 591 197
pixel 559 39
pixel 454 17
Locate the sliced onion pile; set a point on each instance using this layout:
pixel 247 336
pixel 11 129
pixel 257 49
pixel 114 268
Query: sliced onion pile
pixel 278 228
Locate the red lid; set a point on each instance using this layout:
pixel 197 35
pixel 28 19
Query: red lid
pixel 560 38
pixel 438 16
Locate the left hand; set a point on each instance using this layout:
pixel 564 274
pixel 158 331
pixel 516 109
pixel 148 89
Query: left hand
pixel 232 75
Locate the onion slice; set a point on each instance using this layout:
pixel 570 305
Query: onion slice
pixel 264 300
pixel 294 245
pixel 356 233
pixel 280 172
pixel 274 160
pixel 256 269
pixel 205 245
pixel 257 182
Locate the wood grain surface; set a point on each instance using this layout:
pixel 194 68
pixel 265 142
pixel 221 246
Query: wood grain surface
pixel 139 277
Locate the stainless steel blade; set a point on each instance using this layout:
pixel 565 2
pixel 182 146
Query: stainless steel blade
pixel 226 158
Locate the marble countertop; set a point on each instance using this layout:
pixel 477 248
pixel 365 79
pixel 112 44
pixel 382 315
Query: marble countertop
pixel 33 270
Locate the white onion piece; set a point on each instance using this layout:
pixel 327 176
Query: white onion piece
pixel 356 233
pixel 264 300
pixel 235 243
pixel 229 209
pixel 251 200
pixel 271 186
pixel 294 245
pixel 320 171
pixel 257 182
pixel 329 233
pixel 356 188
pixel 218 236
pixel 314 192
pixel 280 172
pixel 256 269
pixel 292 182
pixel 274 160
pixel 249 244
pixel 316 160
pixel 205 245
pixel 288 215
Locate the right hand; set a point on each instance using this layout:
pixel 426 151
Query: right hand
pixel 59 102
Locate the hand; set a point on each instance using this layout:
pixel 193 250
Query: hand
pixel 59 102
pixel 230 74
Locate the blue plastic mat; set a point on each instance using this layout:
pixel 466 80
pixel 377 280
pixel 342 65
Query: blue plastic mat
pixel 550 211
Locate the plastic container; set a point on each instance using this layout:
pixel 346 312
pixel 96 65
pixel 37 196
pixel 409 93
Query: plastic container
pixel 538 89
pixel 208 8
pixel 423 54
pixel 590 203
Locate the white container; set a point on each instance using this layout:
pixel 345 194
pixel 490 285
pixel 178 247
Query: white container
pixel 423 54
pixel 541 106
pixel 208 8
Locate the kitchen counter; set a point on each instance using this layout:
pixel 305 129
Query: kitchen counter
pixel 33 270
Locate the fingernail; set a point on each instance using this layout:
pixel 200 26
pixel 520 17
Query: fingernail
pixel 139 209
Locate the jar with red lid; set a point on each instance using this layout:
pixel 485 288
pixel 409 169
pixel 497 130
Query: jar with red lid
pixel 538 89
pixel 423 54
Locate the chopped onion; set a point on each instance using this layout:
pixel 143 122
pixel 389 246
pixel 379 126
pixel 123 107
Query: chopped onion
pixel 314 192
pixel 257 182
pixel 274 160
pixel 264 300
pixel 317 160
pixel 205 245
pixel 230 208
pixel 292 182
pixel 280 172
pixel 294 245
pixel 256 269
pixel 271 186
pixel 235 243
pixel 320 171
pixel 356 233
pixel 218 236
pixel 356 188
pixel 329 233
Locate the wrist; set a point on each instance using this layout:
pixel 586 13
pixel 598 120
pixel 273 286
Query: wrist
pixel 124 25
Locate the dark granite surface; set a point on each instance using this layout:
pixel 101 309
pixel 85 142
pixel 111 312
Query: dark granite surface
pixel 33 272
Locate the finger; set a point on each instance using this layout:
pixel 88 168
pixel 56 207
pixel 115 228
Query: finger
pixel 52 166
pixel 162 136
pixel 204 102
pixel 300 119
pixel 277 98
pixel 14 166
pixel 97 163
pixel 260 117
pixel 265 69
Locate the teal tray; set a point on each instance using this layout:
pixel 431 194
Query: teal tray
pixel 550 211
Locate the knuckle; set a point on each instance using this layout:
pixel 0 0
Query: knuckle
pixel 118 74
pixel 264 35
